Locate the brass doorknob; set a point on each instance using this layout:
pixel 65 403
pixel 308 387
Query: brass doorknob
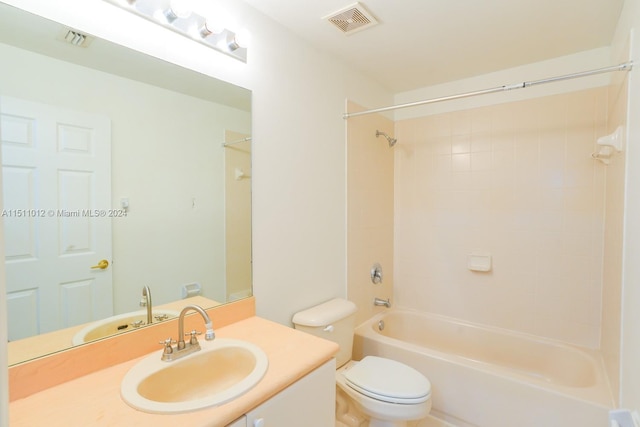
pixel 102 264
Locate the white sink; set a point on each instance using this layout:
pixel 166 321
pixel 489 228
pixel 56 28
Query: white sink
pixel 117 324
pixel 221 371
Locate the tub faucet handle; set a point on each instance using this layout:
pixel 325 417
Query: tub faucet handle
pixel 376 273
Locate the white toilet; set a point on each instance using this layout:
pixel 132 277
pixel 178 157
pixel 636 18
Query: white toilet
pixel 387 392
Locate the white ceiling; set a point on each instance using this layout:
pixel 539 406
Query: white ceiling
pixel 424 42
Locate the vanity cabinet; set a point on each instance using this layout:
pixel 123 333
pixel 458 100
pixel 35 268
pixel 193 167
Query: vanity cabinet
pixel 240 422
pixel 309 402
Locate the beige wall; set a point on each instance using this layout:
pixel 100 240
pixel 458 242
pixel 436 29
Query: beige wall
pixel 516 181
pixel 369 210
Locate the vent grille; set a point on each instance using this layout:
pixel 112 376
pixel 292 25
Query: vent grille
pixel 352 19
pixel 75 38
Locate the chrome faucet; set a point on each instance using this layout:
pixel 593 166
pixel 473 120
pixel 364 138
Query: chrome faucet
pixel 145 301
pixel 183 348
pixel 382 302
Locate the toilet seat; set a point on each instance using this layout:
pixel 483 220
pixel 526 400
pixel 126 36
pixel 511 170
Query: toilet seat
pixel 388 380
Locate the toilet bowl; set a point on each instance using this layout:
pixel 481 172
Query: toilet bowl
pixel 386 392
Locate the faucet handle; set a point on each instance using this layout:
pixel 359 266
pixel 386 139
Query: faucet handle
pixel 167 345
pixel 193 334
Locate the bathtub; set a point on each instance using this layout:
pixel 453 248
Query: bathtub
pixel 489 377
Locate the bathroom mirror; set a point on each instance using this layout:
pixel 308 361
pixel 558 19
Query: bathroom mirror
pixel 178 190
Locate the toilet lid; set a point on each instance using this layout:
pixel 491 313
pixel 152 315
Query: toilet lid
pixel 388 380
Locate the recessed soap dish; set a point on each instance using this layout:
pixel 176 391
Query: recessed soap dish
pixel 479 262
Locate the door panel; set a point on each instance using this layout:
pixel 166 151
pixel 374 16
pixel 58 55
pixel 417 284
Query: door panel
pixel 56 182
pixel 19 230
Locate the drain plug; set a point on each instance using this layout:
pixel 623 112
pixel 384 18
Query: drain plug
pixel 381 325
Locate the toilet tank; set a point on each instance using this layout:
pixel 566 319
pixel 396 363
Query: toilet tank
pixel 334 320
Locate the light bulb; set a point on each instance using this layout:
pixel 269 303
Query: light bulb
pixel 177 9
pixel 211 26
pixel 243 38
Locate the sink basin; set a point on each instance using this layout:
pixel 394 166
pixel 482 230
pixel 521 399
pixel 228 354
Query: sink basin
pixel 221 371
pixel 116 324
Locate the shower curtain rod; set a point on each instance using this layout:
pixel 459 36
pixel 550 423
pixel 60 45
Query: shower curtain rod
pixel 237 141
pixel 620 67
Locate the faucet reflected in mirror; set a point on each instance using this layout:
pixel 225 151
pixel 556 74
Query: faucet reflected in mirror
pixel 145 301
pixel 180 192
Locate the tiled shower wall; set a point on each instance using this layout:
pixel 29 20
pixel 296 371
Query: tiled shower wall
pixel 369 210
pixel 515 181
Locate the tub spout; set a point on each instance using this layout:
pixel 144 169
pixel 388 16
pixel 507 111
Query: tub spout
pixel 382 302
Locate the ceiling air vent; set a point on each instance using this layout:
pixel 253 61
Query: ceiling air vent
pixel 75 37
pixel 352 19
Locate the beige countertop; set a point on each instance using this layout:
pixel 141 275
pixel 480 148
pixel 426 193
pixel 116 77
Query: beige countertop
pixel 94 399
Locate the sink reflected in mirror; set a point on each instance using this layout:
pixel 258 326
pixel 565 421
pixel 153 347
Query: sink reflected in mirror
pixel 221 371
pixel 31 348
pixel 120 323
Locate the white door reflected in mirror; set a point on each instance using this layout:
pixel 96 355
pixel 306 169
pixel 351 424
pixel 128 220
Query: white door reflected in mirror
pixel 56 167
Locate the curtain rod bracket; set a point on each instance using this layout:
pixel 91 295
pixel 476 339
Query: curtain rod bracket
pixel 515 86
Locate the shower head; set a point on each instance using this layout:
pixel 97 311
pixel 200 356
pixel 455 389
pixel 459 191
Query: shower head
pixel 391 141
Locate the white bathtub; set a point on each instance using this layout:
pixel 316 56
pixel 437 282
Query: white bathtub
pixel 489 377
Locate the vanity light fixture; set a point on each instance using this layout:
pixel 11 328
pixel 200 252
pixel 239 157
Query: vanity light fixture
pixel 177 16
